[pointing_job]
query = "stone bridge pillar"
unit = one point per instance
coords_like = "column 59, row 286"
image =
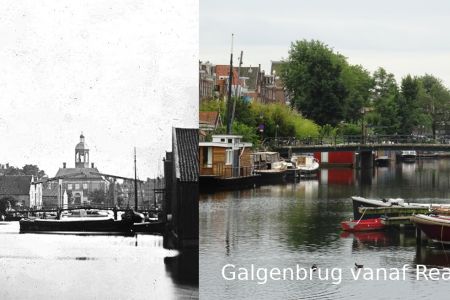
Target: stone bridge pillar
column 366, row 160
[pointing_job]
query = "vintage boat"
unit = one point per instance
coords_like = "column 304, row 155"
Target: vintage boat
column 362, row 225
column 305, row 166
column 270, row 167
column 388, row 202
column 79, row 221
column 80, row 225
column 436, row 227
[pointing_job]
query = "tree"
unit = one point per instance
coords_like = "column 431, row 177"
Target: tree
column 33, row 170
column 434, row 99
column 409, row 115
column 384, row 100
column 97, row 196
column 359, row 84
column 312, row 75
column 6, row 203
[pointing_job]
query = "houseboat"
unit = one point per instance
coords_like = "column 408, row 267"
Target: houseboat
column 382, row 161
column 226, row 163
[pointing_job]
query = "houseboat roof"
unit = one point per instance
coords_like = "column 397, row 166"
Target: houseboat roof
column 227, row 136
column 224, row 145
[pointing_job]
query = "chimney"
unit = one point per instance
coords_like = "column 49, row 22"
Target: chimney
column 64, row 165
column 92, row 165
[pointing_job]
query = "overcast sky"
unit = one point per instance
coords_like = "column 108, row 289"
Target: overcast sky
column 401, row 36
column 123, row 72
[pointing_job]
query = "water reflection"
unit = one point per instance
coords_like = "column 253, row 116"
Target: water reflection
column 93, row 267
column 285, row 225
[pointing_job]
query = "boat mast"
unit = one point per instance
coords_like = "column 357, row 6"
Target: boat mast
column 230, row 83
column 135, row 183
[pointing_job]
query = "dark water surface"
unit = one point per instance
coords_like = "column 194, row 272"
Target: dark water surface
column 298, row 225
column 54, row 266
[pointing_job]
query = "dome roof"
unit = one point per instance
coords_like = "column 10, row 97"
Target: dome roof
column 81, row 146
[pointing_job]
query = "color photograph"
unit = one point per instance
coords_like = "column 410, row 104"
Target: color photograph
column 324, row 150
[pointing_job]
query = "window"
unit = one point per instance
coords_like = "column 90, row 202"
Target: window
column 222, row 140
column 207, row 157
column 85, row 186
column 229, row 156
column 230, row 141
column 77, row 186
column 69, row 186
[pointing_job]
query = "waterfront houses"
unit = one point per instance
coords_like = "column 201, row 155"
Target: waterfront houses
column 16, row 187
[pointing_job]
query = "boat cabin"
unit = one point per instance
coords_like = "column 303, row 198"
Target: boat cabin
column 225, row 156
column 265, row 160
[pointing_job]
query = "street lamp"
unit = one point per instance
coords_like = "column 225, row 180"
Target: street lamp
column 276, row 131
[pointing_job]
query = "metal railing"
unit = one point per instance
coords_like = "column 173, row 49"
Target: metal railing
column 355, row 140
column 225, row 171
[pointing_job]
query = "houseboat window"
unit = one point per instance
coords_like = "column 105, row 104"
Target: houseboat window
column 85, row 186
column 77, row 186
column 230, row 141
column 69, row 186
column 229, row 160
column 222, row 140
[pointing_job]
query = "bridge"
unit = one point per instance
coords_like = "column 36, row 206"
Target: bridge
column 288, row 145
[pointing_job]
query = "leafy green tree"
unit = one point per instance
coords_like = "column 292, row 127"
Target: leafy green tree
column 384, row 99
column 409, row 115
column 359, row 83
column 434, row 100
column 312, row 75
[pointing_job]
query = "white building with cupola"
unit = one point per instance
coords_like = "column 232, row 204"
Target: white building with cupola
column 82, row 181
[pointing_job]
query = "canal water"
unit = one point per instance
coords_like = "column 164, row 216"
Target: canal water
column 287, row 229
column 54, row 266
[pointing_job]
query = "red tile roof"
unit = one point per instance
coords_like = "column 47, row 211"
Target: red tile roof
column 224, row 70
column 209, row 117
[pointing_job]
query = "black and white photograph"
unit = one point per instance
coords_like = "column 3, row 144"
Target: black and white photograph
column 99, row 149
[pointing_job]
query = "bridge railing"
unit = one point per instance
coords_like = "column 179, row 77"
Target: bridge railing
column 355, row 139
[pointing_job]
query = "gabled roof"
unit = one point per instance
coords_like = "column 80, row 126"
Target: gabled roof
column 15, row 184
column 252, row 77
column 85, row 173
column 50, row 189
column 185, row 151
column 209, row 117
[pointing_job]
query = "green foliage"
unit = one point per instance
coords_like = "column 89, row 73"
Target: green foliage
column 434, row 101
column 409, row 114
column 349, row 129
column 278, row 120
column 312, row 75
column 359, row 84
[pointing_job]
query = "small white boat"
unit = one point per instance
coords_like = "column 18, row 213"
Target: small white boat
column 408, row 156
column 305, row 164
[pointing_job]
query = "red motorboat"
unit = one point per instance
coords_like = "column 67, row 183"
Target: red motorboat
column 437, row 228
column 362, row 225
